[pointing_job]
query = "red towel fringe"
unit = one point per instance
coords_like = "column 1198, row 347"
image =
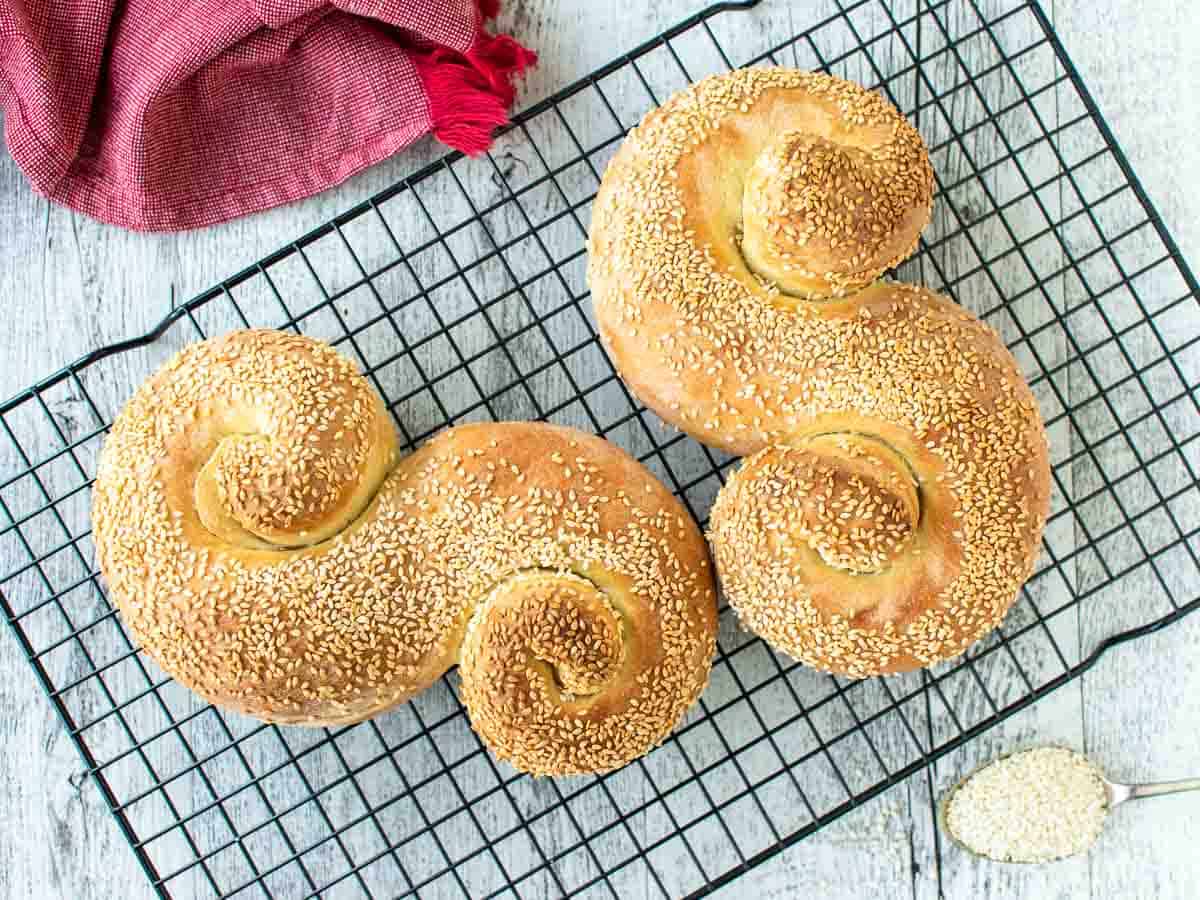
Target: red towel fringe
column 469, row 93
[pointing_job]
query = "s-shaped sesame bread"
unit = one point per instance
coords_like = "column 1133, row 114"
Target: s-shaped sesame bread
column 898, row 479
column 268, row 547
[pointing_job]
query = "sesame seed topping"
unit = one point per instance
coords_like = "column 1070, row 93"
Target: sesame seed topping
column 746, row 256
column 323, row 581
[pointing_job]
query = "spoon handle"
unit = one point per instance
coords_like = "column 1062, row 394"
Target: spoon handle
column 1136, row 791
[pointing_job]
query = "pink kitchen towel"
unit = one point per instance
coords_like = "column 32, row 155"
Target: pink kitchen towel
column 168, row 114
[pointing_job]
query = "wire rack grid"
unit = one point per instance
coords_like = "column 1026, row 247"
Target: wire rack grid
column 460, row 290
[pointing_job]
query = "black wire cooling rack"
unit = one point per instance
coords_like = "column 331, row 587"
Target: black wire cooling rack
column 460, row 290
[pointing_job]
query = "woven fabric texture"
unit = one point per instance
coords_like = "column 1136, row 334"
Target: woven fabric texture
column 171, row 114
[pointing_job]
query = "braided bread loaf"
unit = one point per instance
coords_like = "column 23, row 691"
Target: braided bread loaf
column 898, row 479
column 267, row 546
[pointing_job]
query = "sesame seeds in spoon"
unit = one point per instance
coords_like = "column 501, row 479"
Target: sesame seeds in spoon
column 1037, row 805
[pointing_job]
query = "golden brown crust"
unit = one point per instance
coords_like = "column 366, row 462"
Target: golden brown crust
column 727, row 356
column 316, row 611
column 848, row 497
column 681, row 313
column 831, row 205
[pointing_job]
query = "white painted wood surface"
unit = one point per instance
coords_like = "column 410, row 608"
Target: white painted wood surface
column 70, row 284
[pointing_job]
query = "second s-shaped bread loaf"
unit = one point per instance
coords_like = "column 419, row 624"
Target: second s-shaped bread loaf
column 266, row 544
column 897, row 479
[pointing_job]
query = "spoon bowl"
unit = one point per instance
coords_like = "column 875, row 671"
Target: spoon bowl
column 1115, row 793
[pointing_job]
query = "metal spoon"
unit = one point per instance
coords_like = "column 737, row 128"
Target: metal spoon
column 1115, row 794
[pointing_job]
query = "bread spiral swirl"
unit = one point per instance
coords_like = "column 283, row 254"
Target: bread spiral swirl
column 267, row 545
column 898, row 478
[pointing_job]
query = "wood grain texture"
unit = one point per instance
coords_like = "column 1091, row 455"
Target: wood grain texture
column 71, row 284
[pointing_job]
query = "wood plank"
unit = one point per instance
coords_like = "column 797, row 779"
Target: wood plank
column 1141, row 700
